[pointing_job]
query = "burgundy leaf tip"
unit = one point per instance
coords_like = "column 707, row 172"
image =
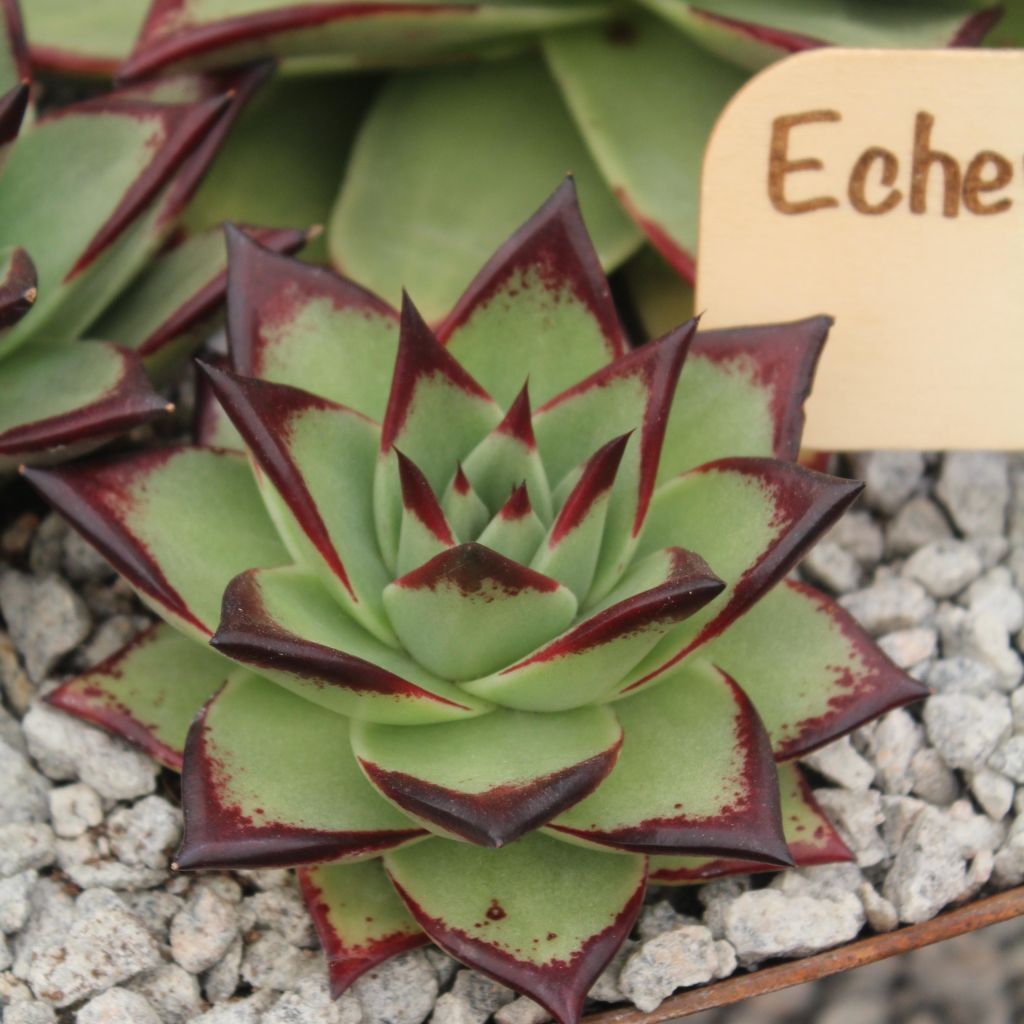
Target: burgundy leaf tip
column 596, row 480
column 461, row 483
column 518, row 505
column 19, row 288
column 420, row 500
column 518, row 421
column 470, row 568
column 12, row 110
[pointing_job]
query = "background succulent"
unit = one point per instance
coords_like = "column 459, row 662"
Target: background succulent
column 510, row 605
column 89, row 194
column 436, row 167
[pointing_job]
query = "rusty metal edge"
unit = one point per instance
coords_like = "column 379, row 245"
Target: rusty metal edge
column 971, row 917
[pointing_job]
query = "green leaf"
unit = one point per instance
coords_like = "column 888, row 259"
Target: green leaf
column 425, row 531
column 295, row 324
column 71, row 398
column 82, row 39
column 447, row 165
column 316, row 462
column 288, row 627
column 632, row 394
column 169, row 309
column 436, row 414
column 242, row 810
column 592, row 658
column 327, row 37
column 658, row 185
column 811, row 671
column 507, row 457
column 463, row 508
column 148, row 692
column 360, row 920
column 810, row 836
column 545, row 282
column 515, row 531
column 471, row 591
column 752, row 33
column 492, row 779
column 278, row 169
column 139, row 512
column 742, row 392
column 695, row 775
column 540, row 916
column 75, row 187
column 774, row 512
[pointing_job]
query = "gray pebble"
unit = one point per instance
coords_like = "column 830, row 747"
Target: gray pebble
column 30, row 1012
column 659, row 917
column 23, row 794
column 81, row 561
column 171, row 991
column 241, row 1011
column 155, row 908
column 221, row 981
column 202, row 932
column 45, row 618
column 893, row 743
column 114, row 634
column 909, row 647
column 484, row 995
column 18, row 688
column 890, row 478
column 766, row 923
column 994, row 792
column 716, row 896
column 856, row 817
column 961, row 675
column 283, row 911
column 606, row 988
column 16, row 900
column 47, row 541
column 996, row 593
column 74, row 809
column 1008, row 758
column 841, row 764
column 522, row 1011
column 859, row 534
column 675, row 959
column 117, row 1006
column 52, row 914
column 916, row 524
column 928, row 871
column 944, row 567
column 68, row 749
column 881, row 914
column 822, row 882
column 311, row 1003
column 452, row 1009
column 932, row 779
column 889, row 605
column 832, row 567
column 965, row 729
column 974, row 487
column 86, row 860
column 146, row 833
column 271, row 962
column 25, row 845
column 982, row 636
column 401, row 990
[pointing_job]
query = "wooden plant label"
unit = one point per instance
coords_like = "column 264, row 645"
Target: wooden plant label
column 885, row 188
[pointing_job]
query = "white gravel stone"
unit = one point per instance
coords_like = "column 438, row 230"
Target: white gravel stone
column 87, row 862
column 893, row 743
column 483, row 995
column 606, row 988
column 311, row 1003
column 68, row 749
column 675, row 959
column 221, row 981
column 965, row 729
column 996, row 593
column 928, row 871
column 859, row 534
column 23, row 794
column 155, row 908
column 832, row 567
column 117, row 1006
column 146, row 833
column 974, row 487
column 716, row 896
column 267, row 878
column 29, row 1013
column 976, row 833
column 659, row 917
column 242, row 1011
column 271, row 962
column 444, row 966
column 452, row 1009
column 283, row 911
column 944, row 567
column 856, row 817
column 101, row 949
column 932, row 779
column 881, row 914
column 909, row 647
column 766, row 923
column 25, row 845
column 1008, row 758
column 171, row 991
column 202, row 932
column 822, row 882
column 983, row 637
column 841, row 764
column 81, row 560
column 890, row 605
column 52, row 914
column 401, row 990
column 45, row 618
column 890, row 478
column 522, row 1011
column 1009, row 862
column 74, row 809
column 16, row 900
column 994, row 792
column 916, row 524
column 961, row 675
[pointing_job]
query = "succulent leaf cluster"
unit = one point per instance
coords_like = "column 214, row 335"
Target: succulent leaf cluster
column 622, row 95
column 482, row 624
column 89, row 192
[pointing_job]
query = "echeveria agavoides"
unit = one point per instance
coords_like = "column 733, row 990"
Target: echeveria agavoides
column 89, row 193
column 502, row 95
column 483, row 622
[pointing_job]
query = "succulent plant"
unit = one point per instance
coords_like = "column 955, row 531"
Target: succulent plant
column 493, row 623
column 89, row 193
column 622, row 95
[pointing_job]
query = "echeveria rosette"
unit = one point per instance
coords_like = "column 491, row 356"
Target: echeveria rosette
column 622, row 95
column 88, row 194
column 503, row 603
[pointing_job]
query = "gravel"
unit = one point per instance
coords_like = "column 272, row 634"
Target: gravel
column 94, row 927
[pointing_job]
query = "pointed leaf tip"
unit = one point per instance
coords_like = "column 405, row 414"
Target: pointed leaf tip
column 518, row 505
column 518, row 421
column 420, row 500
column 597, row 479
